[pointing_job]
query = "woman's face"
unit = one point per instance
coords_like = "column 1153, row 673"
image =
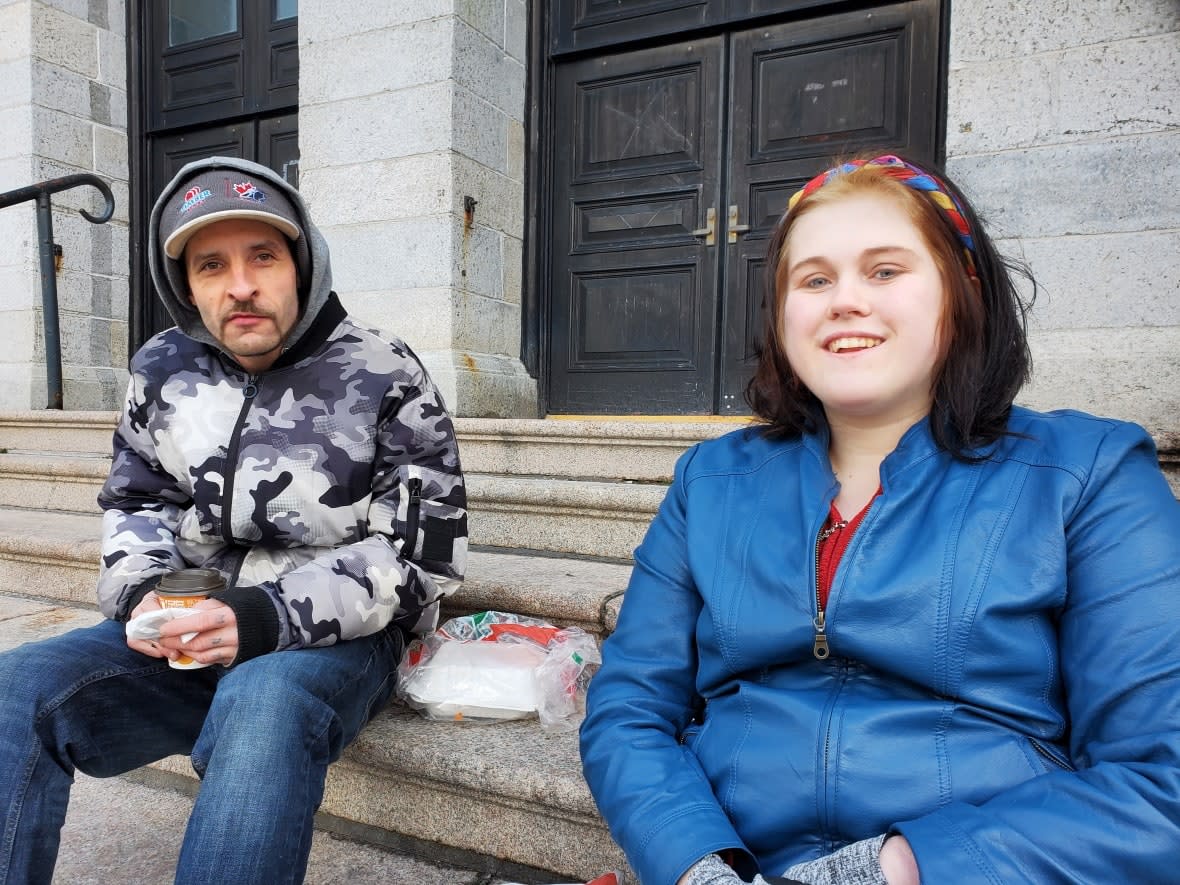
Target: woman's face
column 862, row 310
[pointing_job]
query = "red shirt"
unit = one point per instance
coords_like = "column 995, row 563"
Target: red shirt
column 832, row 544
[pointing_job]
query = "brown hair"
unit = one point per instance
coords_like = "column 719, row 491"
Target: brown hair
column 984, row 357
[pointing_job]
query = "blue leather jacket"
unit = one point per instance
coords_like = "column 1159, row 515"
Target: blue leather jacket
column 1003, row 686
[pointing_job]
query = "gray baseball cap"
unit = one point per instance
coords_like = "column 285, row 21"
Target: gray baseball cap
column 213, row 195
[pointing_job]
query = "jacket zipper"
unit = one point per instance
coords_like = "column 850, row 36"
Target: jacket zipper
column 412, row 508
column 231, row 460
column 819, row 647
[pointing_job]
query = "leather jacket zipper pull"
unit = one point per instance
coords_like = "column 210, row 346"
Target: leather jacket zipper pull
column 820, row 647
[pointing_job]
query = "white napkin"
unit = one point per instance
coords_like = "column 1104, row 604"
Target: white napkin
column 147, row 625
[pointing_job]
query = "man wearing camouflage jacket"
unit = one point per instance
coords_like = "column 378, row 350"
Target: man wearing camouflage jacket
column 307, row 460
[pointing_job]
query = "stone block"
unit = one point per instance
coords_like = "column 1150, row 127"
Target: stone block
column 500, row 199
column 66, row 40
column 117, row 103
column 481, row 65
column 485, row 16
column 403, row 187
column 1120, row 88
column 478, row 385
column 21, row 288
column 16, row 26
column 1132, row 374
column 18, row 233
column 110, row 152
column 517, row 142
column 412, row 121
column 516, row 30
column 420, row 317
column 98, row 13
column 76, row 8
column 17, row 80
column 1068, row 189
column 480, row 130
column 119, row 356
column 17, row 125
column 392, row 255
column 100, row 297
column 63, row 138
column 512, row 262
column 117, row 16
column 59, row 89
column 75, row 292
column 326, row 20
column 376, row 61
column 112, row 59
column 120, row 249
column 1000, row 105
column 22, row 386
column 486, row 325
column 1116, row 280
column 17, row 340
column 992, row 29
column 477, row 260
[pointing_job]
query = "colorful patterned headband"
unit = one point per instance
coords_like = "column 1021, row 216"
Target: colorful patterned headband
column 911, row 176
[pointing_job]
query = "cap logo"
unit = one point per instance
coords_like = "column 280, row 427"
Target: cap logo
column 247, row 191
column 194, row 196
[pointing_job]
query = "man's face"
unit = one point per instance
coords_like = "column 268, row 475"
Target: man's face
column 241, row 276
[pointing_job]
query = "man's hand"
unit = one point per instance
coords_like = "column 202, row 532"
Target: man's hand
column 149, row 647
column 216, row 627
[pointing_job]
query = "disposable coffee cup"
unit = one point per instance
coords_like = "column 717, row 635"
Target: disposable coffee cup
column 184, row 589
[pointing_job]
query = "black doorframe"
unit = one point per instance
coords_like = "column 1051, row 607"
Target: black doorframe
column 139, row 202
column 538, row 188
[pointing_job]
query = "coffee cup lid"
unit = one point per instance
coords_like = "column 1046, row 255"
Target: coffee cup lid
column 191, row 580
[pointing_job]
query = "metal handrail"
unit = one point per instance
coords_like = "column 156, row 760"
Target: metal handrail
column 48, row 250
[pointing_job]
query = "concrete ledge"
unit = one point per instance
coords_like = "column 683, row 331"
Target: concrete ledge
column 566, row 516
column 58, row 431
column 67, row 482
column 642, row 451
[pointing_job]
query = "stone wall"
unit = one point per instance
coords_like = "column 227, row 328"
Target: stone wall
column 406, row 109
column 1064, row 127
column 63, row 109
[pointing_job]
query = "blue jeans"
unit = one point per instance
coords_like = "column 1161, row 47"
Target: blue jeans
column 260, row 735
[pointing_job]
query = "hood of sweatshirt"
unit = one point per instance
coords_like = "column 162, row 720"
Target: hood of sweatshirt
column 310, row 252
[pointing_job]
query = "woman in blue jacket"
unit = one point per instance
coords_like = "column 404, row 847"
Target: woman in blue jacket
column 902, row 630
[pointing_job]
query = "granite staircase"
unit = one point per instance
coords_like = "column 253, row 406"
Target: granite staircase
column 556, row 507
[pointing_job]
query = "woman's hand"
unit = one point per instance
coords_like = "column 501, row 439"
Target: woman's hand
column 898, row 863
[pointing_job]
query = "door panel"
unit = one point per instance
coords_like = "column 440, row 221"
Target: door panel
column 634, row 312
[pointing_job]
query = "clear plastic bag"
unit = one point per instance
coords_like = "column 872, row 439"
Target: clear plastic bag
column 494, row 666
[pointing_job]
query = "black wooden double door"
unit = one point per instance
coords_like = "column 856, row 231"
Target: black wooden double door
column 671, row 166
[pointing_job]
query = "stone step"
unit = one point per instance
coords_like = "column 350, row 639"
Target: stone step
column 51, row 430
column 508, row 790
column 54, row 556
column 608, row 450
column 543, row 513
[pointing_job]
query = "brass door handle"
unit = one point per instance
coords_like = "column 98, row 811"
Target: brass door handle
column 709, row 231
column 733, row 227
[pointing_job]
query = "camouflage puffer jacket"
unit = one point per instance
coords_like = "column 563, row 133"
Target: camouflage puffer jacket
column 303, row 484
column 327, row 490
